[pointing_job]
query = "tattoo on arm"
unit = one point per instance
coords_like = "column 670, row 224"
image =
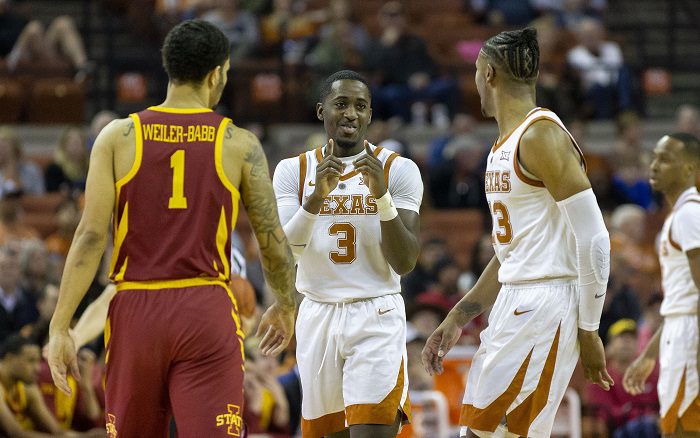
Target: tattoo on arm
column 229, row 132
column 470, row 309
column 129, row 128
column 259, row 200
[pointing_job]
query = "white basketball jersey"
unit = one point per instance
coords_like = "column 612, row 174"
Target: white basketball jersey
column 680, row 233
column 344, row 259
column 531, row 237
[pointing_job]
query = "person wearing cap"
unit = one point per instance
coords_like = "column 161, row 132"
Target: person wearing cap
column 674, row 172
column 616, row 411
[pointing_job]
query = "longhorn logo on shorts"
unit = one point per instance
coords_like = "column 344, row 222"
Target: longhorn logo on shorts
column 233, row 420
column 111, row 426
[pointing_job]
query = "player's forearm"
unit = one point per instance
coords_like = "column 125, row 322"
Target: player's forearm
column 91, row 406
column 81, row 265
column 92, row 322
column 399, row 246
column 278, row 266
column 480, row 297
column 651, row 351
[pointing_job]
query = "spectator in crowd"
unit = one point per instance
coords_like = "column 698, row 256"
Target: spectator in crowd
column 23, row 412
column 556, row 86
column 36, row 267
column 83, row 409
column 621, row 299
column 629, row 240
column 291, row 384
column 445, row 292
column 290, row 27
column 387, row 134
column 22, row 40
column 630, row 181
column 458, row 182
column 13, row 230
column 688, row 119
column 67, row 219
column 69, row 167
column 16, row 173
column 99, row 121
column 463, row 125
column 423, row 275
column 606, row 83
column 504, row 12
column 266, row 407
column 17, row 308
column 404, row 74
column 624, row 415
column 341, row 42
column 239, row 26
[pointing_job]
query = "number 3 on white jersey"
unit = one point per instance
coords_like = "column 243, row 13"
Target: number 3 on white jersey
column 504, row 233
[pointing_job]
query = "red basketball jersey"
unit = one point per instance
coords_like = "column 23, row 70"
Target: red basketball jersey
column 175, row 209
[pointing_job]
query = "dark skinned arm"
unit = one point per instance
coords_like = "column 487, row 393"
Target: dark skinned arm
column 400, row 234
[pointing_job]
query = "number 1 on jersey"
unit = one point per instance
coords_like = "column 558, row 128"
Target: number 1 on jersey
column 177, row 163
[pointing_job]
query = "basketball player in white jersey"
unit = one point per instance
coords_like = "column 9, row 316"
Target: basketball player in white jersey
column 548, row 279
column 673, row 170
column 350, row 210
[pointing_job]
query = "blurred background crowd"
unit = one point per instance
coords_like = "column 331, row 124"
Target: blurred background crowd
column 620, row 74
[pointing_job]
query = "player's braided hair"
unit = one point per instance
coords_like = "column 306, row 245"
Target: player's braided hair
column 517, row 52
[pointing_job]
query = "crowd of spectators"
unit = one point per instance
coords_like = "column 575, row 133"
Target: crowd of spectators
column 583, row 76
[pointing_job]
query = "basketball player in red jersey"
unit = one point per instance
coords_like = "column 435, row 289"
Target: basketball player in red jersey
column 172, row 176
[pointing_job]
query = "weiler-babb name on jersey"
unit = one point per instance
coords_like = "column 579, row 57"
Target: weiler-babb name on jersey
column 355, row 204
column 497, row 181
column 177, row 133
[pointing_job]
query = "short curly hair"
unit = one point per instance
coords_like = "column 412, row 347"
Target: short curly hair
column 192, row 49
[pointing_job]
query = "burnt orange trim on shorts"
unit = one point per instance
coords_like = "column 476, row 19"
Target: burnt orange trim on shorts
column 520, row 418
column 690, row 419
column 387, row 166
column 383, row 412
column 498, row 143
column 488, row 418
column 302, row 176
column 321, row 426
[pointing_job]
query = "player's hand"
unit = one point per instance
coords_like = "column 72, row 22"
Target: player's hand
column 439, row 343
column 328, row 172
column 593, row 359
column 276, row 329
column 62, row 357
column 636, row 374
column 372, row 172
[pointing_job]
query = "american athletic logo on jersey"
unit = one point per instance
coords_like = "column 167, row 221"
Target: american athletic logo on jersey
column 505, row 155
column 110, row 426
column 232, row 419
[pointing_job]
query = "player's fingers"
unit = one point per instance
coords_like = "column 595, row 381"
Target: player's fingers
column 367, row 148
column 74, row 369
column 58, row 374
column 331, row 146
column 428, row 354
column 607, row 377
column 267, row 338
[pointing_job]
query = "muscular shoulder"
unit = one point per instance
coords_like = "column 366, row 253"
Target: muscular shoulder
column 545, row 137
column 240, row 142
column 119, row 129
